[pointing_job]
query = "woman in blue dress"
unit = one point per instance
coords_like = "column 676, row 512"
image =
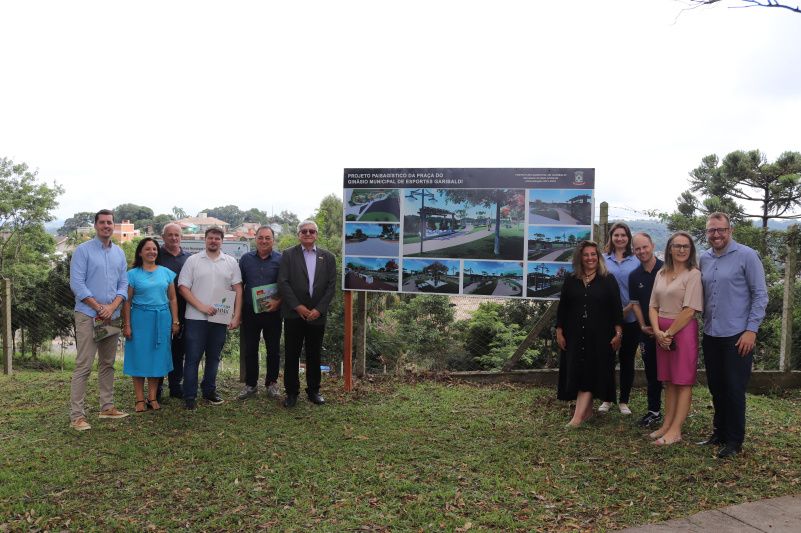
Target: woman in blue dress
column 150, row 316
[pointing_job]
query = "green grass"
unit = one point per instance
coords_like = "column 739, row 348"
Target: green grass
column 511, row 247
column 486, row 288
column 391, row 456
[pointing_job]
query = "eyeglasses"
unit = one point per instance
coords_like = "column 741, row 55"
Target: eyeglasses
column 720, row 231
column 680, row 246
column 308, row 231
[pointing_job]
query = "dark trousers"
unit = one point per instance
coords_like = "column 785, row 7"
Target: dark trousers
column 202, row 337
column 727, row 375
column 628, row 347
column 254, row 327
column 648, row 351
column 176, row 375
column 297, row 333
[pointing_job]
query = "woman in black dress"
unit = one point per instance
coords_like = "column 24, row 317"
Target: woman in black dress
column 589, row 325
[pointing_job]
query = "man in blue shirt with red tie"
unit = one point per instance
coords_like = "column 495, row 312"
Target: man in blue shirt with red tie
column 735, row 298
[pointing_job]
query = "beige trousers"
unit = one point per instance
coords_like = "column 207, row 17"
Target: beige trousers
column 106, row 351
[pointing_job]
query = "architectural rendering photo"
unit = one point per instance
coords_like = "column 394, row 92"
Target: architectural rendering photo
column 431, row 275
column 544, row 280
column 569, row 207
column 372, row 239
column 555, row 243
column 371, row 273
column 372, row 205
column 493, row 278
column 464, row 223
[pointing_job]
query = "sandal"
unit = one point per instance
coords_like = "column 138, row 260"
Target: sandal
column 136, row 406
column 154, row 404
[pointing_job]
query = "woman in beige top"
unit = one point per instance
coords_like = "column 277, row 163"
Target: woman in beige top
column 676, row 298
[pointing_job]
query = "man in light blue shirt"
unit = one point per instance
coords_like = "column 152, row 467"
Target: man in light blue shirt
column 99, row 280
column 735, row 298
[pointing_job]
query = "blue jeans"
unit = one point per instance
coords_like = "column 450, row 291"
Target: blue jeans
column 202, row 337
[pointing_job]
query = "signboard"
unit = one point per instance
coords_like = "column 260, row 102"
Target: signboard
column 506, row 232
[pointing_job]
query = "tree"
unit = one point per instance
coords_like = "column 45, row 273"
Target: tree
column 24, row 204
column 254, row 215
column 178, row 213
column 77, row 220
column 739, row 177
column 227, row 213
column 136, row 214
column 497, row 198
column 749, row 3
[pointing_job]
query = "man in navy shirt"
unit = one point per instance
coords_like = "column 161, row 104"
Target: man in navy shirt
column 641, row 283
column 735, row 298
column 259, row 276
column 172, row 256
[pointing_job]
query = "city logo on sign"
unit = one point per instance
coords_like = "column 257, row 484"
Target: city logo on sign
column 578, row 178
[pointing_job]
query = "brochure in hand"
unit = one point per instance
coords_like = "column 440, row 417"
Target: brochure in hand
column 223, row 302
column 262, row 296
column 107, row 328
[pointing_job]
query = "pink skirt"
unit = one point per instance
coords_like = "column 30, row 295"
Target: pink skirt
column 678, row 366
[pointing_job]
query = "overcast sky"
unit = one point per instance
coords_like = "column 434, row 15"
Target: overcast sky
column 262, row 104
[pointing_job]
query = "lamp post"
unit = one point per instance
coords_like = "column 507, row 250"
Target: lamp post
column 423, row 194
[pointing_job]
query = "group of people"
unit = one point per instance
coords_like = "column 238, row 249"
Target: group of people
column 625, row 297
column 163, row 305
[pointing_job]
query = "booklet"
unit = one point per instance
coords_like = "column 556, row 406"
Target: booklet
column 262, row 296
column 106, row 328
column 223, row 301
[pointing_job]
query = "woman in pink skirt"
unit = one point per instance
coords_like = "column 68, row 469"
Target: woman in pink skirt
column 676, row 298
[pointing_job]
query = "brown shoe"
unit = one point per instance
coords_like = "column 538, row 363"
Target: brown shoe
column 112, row 412
column 80, row 424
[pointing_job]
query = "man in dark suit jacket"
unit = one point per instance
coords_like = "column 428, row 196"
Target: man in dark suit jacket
column 306, row 282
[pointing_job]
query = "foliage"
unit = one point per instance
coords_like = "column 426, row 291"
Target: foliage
column 138, row 215
column 24, row 204
column 739, row 177
column 78, row 220
column 392, row 456
column 228, row 213
column 493, row 333
column 750, row 3
column 499, row 199
column 422, row 326
column 156, row 224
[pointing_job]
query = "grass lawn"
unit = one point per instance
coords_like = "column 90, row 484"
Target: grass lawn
column 511, row 247
column 393, row 455
column 546, row 212
column 486, row 288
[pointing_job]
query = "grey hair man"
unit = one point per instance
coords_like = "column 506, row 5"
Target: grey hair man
column 306, row 282
column 172, row 256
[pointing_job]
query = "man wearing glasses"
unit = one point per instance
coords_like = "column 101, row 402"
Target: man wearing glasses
column 735, row 297
column 306, row 283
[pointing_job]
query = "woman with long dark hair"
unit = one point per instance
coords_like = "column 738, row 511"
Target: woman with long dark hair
column 677, row 297
column 621, row 262
column 150, row 315
column 588, row 330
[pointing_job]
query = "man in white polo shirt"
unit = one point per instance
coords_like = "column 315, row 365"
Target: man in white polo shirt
column 204, row 274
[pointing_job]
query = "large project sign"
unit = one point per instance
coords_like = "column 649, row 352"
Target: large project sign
column 507, row 232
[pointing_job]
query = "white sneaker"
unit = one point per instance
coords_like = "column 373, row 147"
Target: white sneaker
column 273, row 391
column 624, row 409
column 246, row 393
column 604, row 407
